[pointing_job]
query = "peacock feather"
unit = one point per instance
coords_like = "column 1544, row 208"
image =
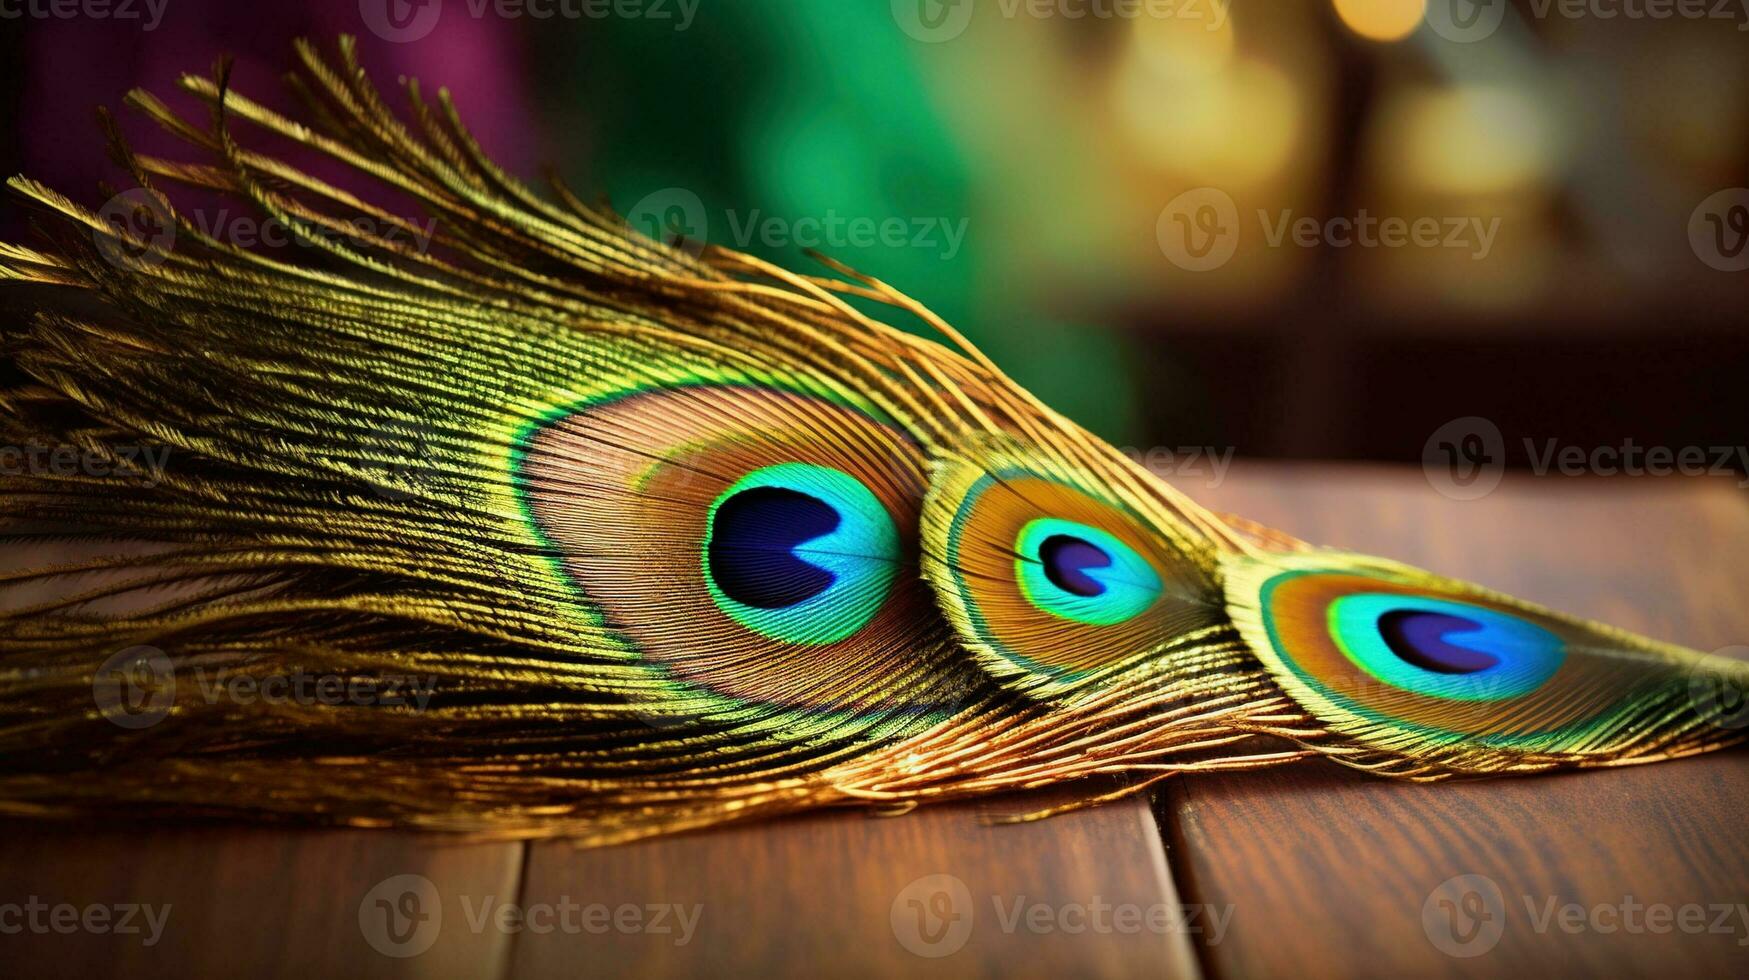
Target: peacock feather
column 671, row 536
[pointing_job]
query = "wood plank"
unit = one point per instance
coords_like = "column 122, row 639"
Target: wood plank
column 1337, row 874
column 253, row 901
column 848, row 894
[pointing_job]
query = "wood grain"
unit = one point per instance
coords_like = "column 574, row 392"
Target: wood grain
column 852, row 895
column 1331, row 873
column 252, row 901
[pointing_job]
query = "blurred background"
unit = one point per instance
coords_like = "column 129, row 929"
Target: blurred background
column 1285, row 228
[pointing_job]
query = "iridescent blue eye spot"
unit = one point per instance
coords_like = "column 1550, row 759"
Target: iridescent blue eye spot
column 1067, row 558
column 1082, row 573
column 800, row 553
column 1419, row 638
column 753, row 541
column 1442, row 648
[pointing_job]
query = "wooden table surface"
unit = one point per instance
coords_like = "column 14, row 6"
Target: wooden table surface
column 1304, row 871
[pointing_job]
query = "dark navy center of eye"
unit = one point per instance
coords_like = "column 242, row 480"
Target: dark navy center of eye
column 754, row 535
column 1066, row 560
column 1419, row 638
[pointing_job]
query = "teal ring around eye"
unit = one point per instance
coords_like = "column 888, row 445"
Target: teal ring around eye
column 1526, row 654
column 861, row 554
column 1128, row 584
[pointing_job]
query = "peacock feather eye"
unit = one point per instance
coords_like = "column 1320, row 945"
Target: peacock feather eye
column 747, row 541
column 1443, row 648
column 1392, row 654
column 800, row 553
column 1053, row 584
column 1082, row 573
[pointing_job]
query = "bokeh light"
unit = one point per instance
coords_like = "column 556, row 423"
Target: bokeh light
column 1470, row 140
column 1382, row 20
column 1238, row 126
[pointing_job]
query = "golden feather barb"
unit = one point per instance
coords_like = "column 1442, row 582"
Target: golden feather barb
column 511, row 521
